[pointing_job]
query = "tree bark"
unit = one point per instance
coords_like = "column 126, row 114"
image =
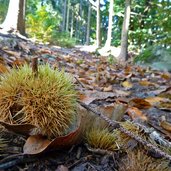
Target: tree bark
column 110, row 23
column 15, row 18
column 88, row 24
column 68, row 13
column 98, row 41
column 72, row 22
column 123, row 56
column 64, row 15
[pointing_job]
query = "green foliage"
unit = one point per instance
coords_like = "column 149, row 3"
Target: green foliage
column 145, row 56
column 43, row 25
column 3, row 9
column 156, row 57
column 111, row 60
column 63, row 39
column 154, row 53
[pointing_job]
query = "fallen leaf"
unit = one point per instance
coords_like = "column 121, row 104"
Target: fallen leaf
column 36, row 144
column 62, row 168
column 166, row 134
column 108, row 89
column 24, row 129
column 164, row 105
column 83, row 80
column 127, row 84
column 13, row 53
column 165, row 125
column 121, row 93
column 139, row 103
column 135, row 113
column 154, row 100
column 166, row 76
column 147, row 83
column 3, row 68
column 86, row 99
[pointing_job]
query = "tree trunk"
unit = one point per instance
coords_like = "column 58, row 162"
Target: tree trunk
column 68, row 13
column 64, row 15
column 98, row 41
column 72, row 22
column 15, row 18
column 88, row 24
column 110, row 23
column 123, row 56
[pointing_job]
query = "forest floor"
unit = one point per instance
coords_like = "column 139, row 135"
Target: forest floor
column 120, row 91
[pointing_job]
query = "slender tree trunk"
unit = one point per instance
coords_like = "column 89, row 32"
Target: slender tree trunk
column 98, row 41
column 72, row 22
column 80, row 32
column 21, row 17
column 88, row 24
column 15, row 18
column 68, row 13
column 64, row 15
column 123, row 56
column 110, row 23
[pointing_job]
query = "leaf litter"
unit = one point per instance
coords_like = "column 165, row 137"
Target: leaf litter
column 120, row 92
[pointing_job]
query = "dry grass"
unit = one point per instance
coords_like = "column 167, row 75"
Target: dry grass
column 137, row 160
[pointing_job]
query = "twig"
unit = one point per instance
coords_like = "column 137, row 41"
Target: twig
column 13, row 160
column 79, row 82
column 34, row 65
column 129, row 133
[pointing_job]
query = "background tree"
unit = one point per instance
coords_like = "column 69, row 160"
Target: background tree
column 149, row 23
column 15, row 18
column 123, row 56
column 88, row 24
column 64, row 15
column 98, row 38
column 110, row 23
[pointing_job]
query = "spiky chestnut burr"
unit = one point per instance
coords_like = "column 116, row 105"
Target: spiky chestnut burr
column 47, row 101
column 101, row 139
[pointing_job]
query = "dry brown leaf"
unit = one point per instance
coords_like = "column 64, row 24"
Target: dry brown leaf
column 147, row 83
column 83, row 80
column 86, row 99
column 154, row 100
column 166, row 134
column 13, row 53
column 166, row 76
column 135, row 113
column 45, row 51
column 118, row 111
column 164, row 105
column 36, row 144
column 121, row 93
column 3, row 68
column 62, row 168
column 166, row 125
column 19, row 62
column 139, row 103
column 18, row 128
column 127, row 84
column 108, row 89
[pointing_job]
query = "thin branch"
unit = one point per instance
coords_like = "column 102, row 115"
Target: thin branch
column 129, row 133
column 34, row 66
